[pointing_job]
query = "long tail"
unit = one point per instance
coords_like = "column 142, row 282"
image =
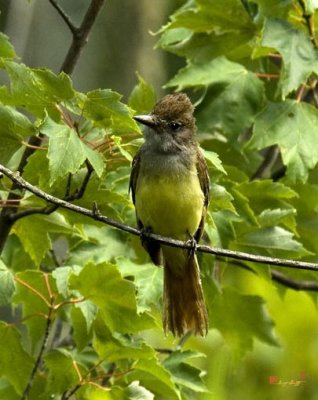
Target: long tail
column 184, row 306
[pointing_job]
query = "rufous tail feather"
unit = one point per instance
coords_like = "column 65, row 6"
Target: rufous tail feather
column 184, row 306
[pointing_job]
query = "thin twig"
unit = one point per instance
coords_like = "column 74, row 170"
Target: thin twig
column 280, row 277
column 293, row 283
column 270, row 158
column 65, row 17
column 267, row 76
column 77, row 195
column 95, row 214
column 69, row 393
column 41, row 352
column 32, row 289
column 80, row 36
column 300, row 93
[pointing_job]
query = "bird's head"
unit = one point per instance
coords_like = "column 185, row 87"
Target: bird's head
column 171, row 124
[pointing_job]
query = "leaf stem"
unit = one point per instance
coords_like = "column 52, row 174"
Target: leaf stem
column 25, row 284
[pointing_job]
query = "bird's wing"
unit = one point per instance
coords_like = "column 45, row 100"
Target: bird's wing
column 202, row 171
column 134, row 174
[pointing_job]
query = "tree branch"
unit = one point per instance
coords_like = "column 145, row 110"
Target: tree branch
column 5, row 216
column 280, row 277
column 80, row 36
column 95, row 214
column 41, row 352
column 270, row 158
column 78, row 194
column 293, row 283
column 65, row 17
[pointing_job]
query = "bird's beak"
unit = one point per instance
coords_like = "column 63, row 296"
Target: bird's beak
column 147, row 120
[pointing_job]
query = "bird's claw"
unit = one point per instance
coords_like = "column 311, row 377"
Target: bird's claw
column 144, row 234
column 193, row 245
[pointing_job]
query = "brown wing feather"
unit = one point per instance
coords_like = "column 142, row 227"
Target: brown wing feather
column 204, row 179
column 134, row 175
column 152, row 247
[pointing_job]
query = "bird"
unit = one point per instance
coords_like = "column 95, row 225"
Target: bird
column 170, row 189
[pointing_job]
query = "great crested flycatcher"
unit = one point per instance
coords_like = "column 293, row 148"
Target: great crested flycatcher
column 170, row 189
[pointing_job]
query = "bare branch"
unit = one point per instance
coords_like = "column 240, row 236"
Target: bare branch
column 41, row 352
column 280, row 262
column 293, row 283
column 65, row 17
column 78, row 194
column 280, row 277
column 80, row 36
column 270, row 158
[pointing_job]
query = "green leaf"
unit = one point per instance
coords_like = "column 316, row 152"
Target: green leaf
column 102, row 244
column 39, row 90
column 275, row 241
column 231, row 107
column 114, row 346
column 62, row 373
column 278, row 216
column 222, row 199
column 148, row 280
column 184, row 374
column 214, row 160
column 96, row 159
column 136, row 392
column 203, row 47
column 65, row 154
column 273, row 8
column 118, row 140
column 15, row 363
column 36, row 241
column 14, row 127
column 103, row 107
column 156, row 378
column 266, row 192
column 7, row 285
column 32, row 301
column 61, row 276
column 294, row 127
column 299, row 55
column 307, row 217
column 115, row 297
column 216, row 71
column 6, row 48
column 82, row 334
column 245, row 320
column 142, row 98
column 131, row 392
column 210, row 15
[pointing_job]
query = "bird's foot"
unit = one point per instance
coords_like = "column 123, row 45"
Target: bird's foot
column 144, row 234
column 193, row 246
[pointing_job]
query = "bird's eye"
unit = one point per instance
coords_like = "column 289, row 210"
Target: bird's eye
column 174, row 125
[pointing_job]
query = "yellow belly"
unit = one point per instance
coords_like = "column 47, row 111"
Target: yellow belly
column 172, row 206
